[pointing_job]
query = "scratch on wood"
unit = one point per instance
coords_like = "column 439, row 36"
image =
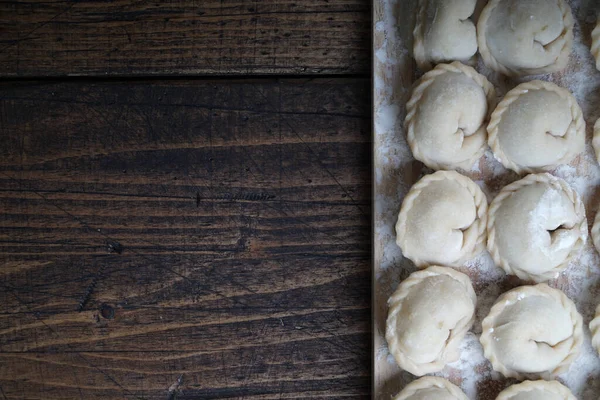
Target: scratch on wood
column 89, row 290
column 174, row 388
column 248, row 196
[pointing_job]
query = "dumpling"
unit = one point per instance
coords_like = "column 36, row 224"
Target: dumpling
column 596, row 44
column 442, row 220
column 537, row 126
column 431, row 388
column 535, row 227
column 536, row 390
column 525, row 37
column 429, row 314
column 444, row 32
column 447, row 116
column 595, row 329
column 532, row 331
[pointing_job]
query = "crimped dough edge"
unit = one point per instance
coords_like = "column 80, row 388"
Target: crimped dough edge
column 596, row 139
column 527, row 386
column 506, row 192
column 474, row 246
column 413, row 105
column 450, row 352
column 540, row 289
column 513, row 95
column 490, row 60
column 428, row 382
column 595, row 330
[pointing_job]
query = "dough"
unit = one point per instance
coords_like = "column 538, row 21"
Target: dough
column 525, row 37
column 446, row 116
column 431, row 388
column 536, row 390
column 535, row 227
column 442, row 220
column 429, row 314
column 532, row 331
column 444, row 32
column 596, row 140
column 536, row 127
column 596, row 44
column 595, row 329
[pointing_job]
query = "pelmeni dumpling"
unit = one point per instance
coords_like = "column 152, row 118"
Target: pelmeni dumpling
column 442, row 220
column 447, row 115
column 535, row 227
column 444, row 32
column 525, row 37
column 532, row 331
column 431, row 388
column 536, row 390
column 429, row 314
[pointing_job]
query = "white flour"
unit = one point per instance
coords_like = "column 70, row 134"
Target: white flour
column 396, row 171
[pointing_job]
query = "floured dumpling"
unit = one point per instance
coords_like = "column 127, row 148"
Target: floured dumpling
column 596, row 44
column 525, row 37
column 429, row 314
column 595, row 329
column 442, row 220
column 444, row 32
column 537, row 126
column 535, row 227
column 431, row 388
column 447, row 116
column 532, row 331
column 536, row 390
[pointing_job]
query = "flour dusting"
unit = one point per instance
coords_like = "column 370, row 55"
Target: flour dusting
column 396, row 170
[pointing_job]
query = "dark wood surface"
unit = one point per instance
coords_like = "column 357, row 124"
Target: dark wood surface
column 183, row 37
column 188, row 239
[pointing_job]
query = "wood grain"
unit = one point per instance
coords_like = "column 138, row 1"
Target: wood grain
column 124, row 38
column 188, row 239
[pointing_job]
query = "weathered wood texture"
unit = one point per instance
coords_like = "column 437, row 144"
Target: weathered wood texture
column 155, row 37
column 218, row 231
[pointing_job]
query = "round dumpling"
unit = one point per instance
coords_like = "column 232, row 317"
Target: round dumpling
column 442, row 220
column 532, row 331
column 536, row 127
column 447, row 116
column 444, row 32
column 525, row 37
column 536, row 390
column 535, row 227
column 431, row 388
column 429, row 314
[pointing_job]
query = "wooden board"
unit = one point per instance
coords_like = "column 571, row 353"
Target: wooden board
column 124, row 38
column 205, row 239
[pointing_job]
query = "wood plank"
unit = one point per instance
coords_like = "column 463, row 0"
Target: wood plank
column 213, row 230
column 182, row 37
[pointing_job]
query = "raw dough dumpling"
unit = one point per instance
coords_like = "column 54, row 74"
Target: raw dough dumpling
column 431, row 388
column 430, row 313
column 596, row 44
column 535, row 227
column 525, row 37
column 536, row 390
column 595, row 329
column 536, row 127
column 446, row 116
column 444, row 32
column 442, row 220
column 532, row 331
